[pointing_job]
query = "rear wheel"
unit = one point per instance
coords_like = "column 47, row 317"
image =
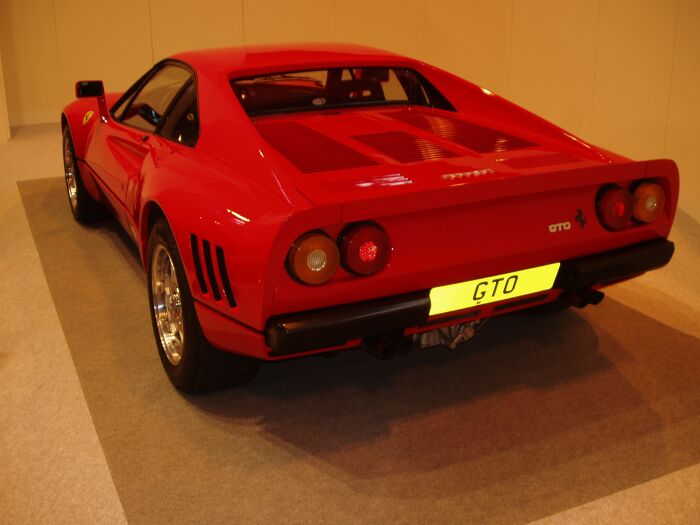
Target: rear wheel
column 192, row 364
column 83, row 206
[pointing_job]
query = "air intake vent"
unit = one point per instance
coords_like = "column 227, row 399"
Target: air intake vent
column 221, row 260
column 309, row 150
column 210, row 270
column 537, row 161
column 403, row 147
column 194, row 243
column 211, row 279
column 473, row 136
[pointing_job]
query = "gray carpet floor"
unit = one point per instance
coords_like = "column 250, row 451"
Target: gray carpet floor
column 537, row 415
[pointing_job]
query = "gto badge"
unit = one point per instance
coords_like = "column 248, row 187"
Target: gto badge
column 559, row 227
column 87, row 117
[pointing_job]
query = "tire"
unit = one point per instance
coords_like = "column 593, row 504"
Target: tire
column 192, row 364
column 84, row 207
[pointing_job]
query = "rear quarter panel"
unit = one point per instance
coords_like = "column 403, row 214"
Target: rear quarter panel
column 207, row 198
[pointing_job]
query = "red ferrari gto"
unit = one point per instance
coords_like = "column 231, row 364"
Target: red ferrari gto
column 288, row 201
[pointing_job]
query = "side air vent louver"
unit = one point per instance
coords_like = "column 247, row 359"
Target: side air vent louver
column 210, row 270
column 194, row 243
column 475, row 137
column 221, row 260
column 403, row 147
column 210, row 280
column 309, row 150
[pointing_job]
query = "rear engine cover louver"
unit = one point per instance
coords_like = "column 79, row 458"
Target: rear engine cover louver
column 473, row 136
column 211, row 279
column 309, row 150
column 403, row 147
column 537, row 161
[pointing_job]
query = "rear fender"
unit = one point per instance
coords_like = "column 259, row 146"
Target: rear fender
column 233, row 225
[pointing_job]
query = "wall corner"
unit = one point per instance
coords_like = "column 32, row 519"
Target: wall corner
column 4, row 115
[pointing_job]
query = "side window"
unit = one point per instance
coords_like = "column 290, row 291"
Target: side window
column 146, row 109
column 182, row 122
column 118, row 108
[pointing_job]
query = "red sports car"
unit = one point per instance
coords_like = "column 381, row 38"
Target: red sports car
column 289, row 201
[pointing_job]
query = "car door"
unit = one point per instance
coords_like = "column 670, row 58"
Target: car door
column 121, row 147
column 177, row 134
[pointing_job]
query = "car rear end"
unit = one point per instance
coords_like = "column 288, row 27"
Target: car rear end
column 486, row 248
column 436, row 218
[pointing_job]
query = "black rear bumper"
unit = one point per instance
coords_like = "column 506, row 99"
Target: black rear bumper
column 615, row 265
column 302, row 332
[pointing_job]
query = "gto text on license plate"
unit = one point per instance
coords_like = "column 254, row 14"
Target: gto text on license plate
column 491, row 289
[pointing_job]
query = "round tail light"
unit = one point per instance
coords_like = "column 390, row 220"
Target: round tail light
column 365, row 249
column 615, row 208
column 313, row 258
column 649, row 199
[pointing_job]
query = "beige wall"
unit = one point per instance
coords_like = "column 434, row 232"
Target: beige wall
column 624, row 74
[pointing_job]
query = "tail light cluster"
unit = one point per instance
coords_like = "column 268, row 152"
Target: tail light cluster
column 362, row 249
column 313, row 258
column 619, row 207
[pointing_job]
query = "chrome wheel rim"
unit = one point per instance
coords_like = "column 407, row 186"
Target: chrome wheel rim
column 69, row 170
column 167, row 304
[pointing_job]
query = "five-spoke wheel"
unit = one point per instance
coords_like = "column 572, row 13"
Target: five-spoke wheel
column 191, row 362
column 167, row 304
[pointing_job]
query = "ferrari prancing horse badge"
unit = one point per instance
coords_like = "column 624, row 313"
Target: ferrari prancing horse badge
column 87, row 117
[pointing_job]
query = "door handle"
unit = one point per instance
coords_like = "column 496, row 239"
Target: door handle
column 144, row 138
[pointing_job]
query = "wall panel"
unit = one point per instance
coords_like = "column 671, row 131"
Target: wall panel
column 633, row 75
column 395, row 25
column 275, row 21
column 181, row 25
column 555, row 80
column 471, row 39
column 683, row 133
column 108, row 40
column 30, row 60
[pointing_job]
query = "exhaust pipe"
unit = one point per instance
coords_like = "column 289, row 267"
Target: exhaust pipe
column 582, row 298
column 385, row 346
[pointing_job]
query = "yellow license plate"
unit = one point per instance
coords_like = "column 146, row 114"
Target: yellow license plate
column 491, row 289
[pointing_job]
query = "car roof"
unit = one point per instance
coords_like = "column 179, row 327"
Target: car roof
column 283, row 56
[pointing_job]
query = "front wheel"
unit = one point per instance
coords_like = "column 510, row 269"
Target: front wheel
column 82, row 205
column 191, row 363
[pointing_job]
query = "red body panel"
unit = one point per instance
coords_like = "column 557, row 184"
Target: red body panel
column 454, row 211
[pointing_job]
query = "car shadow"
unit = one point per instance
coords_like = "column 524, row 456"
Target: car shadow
column 324, row 406
column 549, row 397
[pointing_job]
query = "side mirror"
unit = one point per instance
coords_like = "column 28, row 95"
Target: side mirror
column 93, row 89
column 89, row 88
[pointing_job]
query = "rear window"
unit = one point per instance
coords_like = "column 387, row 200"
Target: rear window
column 335, row 88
